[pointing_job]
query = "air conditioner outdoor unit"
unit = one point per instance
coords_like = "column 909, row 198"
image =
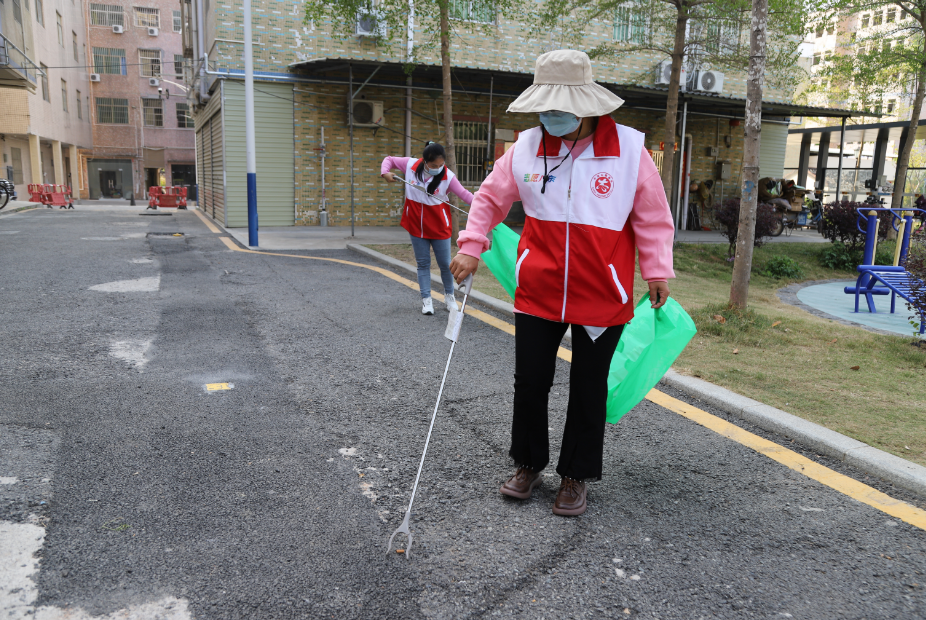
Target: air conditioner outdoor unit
column 664, row 73
column 708, row 81
column 154, row 82
column 118, row 29
column 152, row 32
column 368, row 113
column 369, row 25
column 94, row 77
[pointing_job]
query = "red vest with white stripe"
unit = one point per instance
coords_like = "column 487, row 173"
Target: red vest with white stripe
column 577, row 254
column 423, row 215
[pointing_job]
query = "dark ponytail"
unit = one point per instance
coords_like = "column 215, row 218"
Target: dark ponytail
column 431, row 152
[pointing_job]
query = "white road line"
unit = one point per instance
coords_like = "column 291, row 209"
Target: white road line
column 132, row 351
column 141, row 285
column 19, row 566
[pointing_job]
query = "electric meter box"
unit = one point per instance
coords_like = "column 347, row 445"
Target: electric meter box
column 724, row 170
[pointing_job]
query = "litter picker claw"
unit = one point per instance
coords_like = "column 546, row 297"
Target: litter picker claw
column 452, row 333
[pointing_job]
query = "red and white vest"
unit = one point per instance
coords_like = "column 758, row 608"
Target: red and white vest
column 423, row 215
column 576, row 256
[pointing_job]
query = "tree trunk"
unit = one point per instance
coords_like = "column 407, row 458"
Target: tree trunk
column 745, row 236
column 451, row 159
column 668, row 138
column 903, row 161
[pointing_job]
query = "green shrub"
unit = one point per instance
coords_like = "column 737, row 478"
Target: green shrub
column 840, row 257
column 783, row 267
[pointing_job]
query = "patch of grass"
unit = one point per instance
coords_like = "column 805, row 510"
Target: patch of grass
column 786, row 357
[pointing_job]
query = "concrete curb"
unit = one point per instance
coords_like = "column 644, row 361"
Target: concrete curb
column 897, row 471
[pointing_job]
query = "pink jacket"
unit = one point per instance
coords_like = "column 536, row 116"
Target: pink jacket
column 650, row 217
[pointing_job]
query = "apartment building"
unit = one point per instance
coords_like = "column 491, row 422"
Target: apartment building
column 306, row 77
column 44, row 92
column 840, row 161
column 142, row 128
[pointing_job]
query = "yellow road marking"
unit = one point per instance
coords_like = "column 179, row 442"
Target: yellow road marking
column 206, row 221
column 212, row 387
column 813, row 470
column 799, row 463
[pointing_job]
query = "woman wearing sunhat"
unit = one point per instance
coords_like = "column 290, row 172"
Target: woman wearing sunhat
column 426, row 218
column 593, row 199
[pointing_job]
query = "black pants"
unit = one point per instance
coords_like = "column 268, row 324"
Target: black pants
column 536, row 344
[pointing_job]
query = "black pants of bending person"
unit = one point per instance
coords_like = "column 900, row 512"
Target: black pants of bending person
column 536, row 344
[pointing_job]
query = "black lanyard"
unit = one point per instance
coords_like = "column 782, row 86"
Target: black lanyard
column 546, row 175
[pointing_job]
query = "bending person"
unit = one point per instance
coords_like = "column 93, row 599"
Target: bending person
column 593, row 198
column 426, row 219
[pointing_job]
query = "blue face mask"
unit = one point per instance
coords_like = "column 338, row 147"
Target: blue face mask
column 559, row 123
column 433, row 173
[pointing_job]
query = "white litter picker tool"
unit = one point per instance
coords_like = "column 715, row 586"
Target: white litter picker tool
column 424, row 191
column 452, row 333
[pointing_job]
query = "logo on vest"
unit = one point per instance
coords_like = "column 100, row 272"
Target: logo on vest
column 602, row 185
column 537, row 178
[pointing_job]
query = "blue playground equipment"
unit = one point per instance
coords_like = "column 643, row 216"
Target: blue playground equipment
column 893, row 279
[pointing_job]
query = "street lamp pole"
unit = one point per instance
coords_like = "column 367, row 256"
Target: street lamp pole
column 250, row 148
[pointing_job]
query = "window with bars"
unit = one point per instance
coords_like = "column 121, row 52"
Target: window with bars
column 630, row 25
column 470, row 141
column 64, row 95
column 39, row 11
column 480, row 11
column 112, row 111
column 74, row 42
column 150, row 62
column 722, row 35
column 60, row 29
column 80, row 111
column 106, row 15
column 147, row 18
column 109, row 60
column 178, row 65
column 153, row 112
column 177, row 23
column 46, row 94
column 184, row 120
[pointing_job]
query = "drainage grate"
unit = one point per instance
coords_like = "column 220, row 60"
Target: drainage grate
column 162, row 214
column 165, row 234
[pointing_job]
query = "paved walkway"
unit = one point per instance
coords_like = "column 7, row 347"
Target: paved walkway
column 831, row 298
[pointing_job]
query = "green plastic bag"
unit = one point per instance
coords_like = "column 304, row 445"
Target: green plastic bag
column 651, row 342
column 503, row 256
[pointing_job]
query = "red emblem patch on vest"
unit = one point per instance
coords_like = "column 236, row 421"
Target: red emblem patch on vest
column 602, row 185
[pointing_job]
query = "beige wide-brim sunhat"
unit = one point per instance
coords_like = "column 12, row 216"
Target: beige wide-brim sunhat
column 563, row 81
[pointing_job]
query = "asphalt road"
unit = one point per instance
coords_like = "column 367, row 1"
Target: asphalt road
column 135, row 490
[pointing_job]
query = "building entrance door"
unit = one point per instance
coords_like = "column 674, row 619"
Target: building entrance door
column 152, row 178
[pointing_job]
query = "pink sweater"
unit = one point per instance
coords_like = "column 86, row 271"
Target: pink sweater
column 401, row 163
column 650, row 217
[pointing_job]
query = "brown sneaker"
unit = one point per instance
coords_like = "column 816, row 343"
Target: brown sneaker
column 522, row 483
column 570, row 501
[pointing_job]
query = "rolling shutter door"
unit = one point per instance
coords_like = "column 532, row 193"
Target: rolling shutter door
column 205, row 172
column 218, row 170
column 772, row 150
column 273, row 105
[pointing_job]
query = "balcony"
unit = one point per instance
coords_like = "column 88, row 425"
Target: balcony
column 16, row 69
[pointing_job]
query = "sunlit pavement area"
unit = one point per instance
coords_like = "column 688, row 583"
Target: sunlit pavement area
column 191, row 431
